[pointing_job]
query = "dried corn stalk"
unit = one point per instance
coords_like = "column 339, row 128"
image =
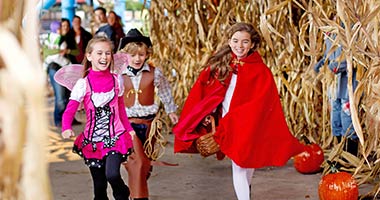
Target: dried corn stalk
column 186, row 32
column 23, row 122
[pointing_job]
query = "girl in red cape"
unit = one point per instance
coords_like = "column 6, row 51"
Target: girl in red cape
column 251, row 129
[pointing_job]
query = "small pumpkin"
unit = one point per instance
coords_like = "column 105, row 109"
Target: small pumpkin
column 338, row 186
column 309, row 161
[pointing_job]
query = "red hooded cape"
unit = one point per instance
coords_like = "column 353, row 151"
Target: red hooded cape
column 254, row 132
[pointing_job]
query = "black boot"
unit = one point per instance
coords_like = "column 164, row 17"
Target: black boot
column 339, row 138
column 352, row 146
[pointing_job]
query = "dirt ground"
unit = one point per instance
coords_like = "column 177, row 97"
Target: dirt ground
column 194, row 178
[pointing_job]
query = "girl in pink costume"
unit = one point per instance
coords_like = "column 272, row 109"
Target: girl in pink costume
column 107, row 138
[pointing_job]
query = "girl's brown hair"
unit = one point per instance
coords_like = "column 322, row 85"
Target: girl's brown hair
column 90, row 47
column 220, row 62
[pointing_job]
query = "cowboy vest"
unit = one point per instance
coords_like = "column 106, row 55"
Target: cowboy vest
column 144, row 94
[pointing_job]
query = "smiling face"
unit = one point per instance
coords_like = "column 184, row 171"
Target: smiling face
column 65, row 27
column 77, row 23
column 111, row 18
column 101, row 56
column 100, row 16
column 138, row 53
column 137, row 59
column 240, row 43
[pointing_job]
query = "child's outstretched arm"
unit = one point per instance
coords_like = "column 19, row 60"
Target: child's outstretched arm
column 165, row 94
column 47, row 52
column 68, row 117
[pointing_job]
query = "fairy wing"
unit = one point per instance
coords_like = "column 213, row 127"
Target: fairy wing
column 120, row 62
column 68, row 75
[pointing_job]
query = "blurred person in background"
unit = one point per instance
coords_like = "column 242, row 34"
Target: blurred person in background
column 102, row 28
column 341, row 121
column 68, row 35
column 61, row 94
column 82, row 37
column 115, row 21
column 54, row 48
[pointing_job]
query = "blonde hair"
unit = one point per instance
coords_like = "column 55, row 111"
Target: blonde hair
column 90, row 47
column 135, row 47
column 220, row 62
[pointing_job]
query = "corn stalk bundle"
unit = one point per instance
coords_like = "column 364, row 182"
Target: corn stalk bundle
column 185, row 33
column 357, row 32
column 23, row 123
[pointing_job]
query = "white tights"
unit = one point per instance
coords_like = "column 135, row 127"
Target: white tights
column 242, row 178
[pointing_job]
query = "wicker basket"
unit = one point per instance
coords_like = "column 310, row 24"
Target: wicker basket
column 206, row 144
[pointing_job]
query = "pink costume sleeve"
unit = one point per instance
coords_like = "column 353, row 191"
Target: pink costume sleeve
column 69, row 114
column 123, row 115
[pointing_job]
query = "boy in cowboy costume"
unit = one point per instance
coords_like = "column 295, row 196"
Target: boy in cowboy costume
column 142, row 82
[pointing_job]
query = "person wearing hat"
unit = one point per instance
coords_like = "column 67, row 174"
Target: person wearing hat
column 134, row 35
column 142, row 82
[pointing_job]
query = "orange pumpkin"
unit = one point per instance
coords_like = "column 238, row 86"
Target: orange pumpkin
column 338, row 186
column 309, row 161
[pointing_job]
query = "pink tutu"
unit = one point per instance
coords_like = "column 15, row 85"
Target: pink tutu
column 95, row 152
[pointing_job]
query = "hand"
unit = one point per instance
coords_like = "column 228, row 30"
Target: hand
column 173, row 117
column 207, row 120
column 67, row 134
column 62, row 52
column 133, row 134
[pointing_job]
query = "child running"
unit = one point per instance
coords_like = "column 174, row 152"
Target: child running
column 142, row 82
column 238, row 88
column 107, row 138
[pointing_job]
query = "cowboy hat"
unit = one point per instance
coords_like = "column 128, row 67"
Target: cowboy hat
column 134, row 35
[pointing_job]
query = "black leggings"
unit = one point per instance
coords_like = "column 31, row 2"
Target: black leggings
column 110, row 173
